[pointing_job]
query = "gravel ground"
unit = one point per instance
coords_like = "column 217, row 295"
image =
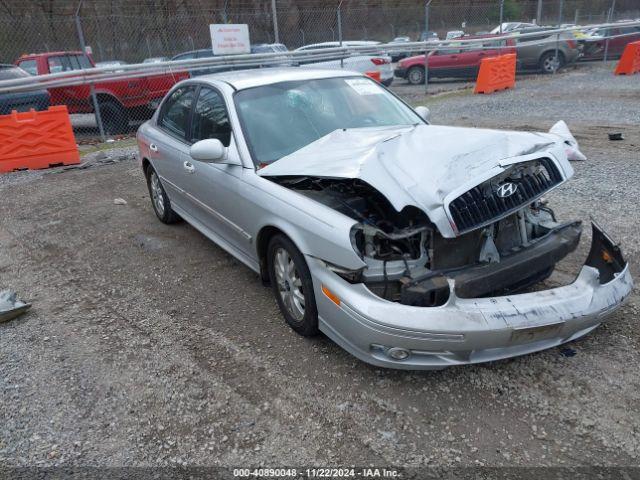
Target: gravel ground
column 148, row 345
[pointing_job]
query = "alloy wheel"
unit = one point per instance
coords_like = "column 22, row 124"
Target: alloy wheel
column 289, row 284
column 157, row 195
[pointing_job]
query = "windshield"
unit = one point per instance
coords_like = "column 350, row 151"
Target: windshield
column 11, row 73
column 282, row 118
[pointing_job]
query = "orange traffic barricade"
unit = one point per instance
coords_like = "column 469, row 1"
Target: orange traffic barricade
column 35, row 140
column 630, row 61
column 496, row 73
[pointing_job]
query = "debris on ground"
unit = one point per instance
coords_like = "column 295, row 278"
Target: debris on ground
column 10, row 306
column 616, row 136
column 119, row 201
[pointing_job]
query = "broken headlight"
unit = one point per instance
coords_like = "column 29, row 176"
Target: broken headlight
column 351, row 276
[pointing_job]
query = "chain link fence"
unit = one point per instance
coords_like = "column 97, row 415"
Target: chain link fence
column 114, row 32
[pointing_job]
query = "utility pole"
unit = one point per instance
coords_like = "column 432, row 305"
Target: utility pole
column 274, row 14
column 539, row 13
column 339, row 17
column 426, row 44
column 501, row 14
column 94, row 97
column 557, row 55
column 609, row 20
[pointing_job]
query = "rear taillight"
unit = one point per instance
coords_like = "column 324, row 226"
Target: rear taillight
column 572, row 43
column 380, row 61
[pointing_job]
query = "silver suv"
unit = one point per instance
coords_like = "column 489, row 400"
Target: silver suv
column 539, row 51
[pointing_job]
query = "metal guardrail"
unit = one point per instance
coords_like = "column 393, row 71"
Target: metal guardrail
column 121, row 72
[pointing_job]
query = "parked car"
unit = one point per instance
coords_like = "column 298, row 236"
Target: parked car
column 268, row 48
column 282, row 61
column 119, row 100
column 538, row 52
column 396, row 56
column 454, row 34
column 356, row 62
column 111, row 63
column 511, row 27
column 20, row 101
column 208, row 53
column 410, row 245
column 595, row 42
column 453, row 59
column 156, row 59
column 429, row 37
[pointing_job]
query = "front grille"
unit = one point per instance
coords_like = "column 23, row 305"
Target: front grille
column 481, row 205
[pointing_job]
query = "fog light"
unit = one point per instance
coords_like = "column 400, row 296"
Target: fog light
column 398, row 353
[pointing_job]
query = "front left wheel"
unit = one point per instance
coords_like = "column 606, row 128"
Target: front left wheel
column 292, row 286
column 415, row 75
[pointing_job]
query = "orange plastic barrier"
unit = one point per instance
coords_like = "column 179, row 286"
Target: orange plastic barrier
column 630, row 61
column 34, row 140
column 496, row 73
column 374, row 74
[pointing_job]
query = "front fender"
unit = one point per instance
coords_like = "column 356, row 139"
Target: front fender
column 317, row 230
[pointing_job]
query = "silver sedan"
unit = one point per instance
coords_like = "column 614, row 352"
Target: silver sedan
column 411, row 245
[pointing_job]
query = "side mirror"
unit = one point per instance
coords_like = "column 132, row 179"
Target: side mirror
column 424, row 113
column 209, row 150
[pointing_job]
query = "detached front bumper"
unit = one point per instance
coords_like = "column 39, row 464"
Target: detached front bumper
column 466, row 331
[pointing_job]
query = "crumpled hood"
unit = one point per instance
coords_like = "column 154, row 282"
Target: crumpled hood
column 419, row 165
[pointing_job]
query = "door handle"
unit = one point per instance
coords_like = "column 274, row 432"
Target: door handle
column 188, row 166
column 153, row 147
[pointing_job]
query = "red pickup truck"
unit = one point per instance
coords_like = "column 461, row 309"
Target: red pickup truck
column 119, row 100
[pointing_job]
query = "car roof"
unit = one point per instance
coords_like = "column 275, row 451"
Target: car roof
column 52, row 54
column 242, row 79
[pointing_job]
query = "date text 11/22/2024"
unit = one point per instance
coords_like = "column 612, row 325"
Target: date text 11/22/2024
column 369, row 472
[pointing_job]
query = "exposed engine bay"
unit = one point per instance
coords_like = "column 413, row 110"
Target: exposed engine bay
column 410, row 262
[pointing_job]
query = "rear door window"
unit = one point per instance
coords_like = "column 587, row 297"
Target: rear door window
column 176, row 112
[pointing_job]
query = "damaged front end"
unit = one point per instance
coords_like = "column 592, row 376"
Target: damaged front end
column 451, row 248
column 408, row 261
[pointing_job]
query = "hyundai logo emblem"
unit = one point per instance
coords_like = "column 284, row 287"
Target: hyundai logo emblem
column 506, row 189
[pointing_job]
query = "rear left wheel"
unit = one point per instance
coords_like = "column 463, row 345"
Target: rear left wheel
column 292, row 286
column 159, row 200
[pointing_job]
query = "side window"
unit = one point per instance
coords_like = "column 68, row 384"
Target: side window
column 57, row 64
column 84, row 62
column 74, row 64
column 29, row 66
column 176, row 110
column 210, row 119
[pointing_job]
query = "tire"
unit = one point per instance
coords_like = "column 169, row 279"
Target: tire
column 299, row 309
column 387, row 82
column 548, row 64
column 159, row 199
column 115, row 118
column 415, row 75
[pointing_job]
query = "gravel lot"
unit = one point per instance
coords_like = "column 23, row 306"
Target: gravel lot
column 149, row 345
